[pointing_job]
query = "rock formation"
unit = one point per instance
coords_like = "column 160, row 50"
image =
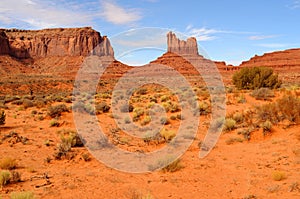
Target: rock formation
column 188, row 47
column 23, row 44
column 287, row 59
column 4, row 44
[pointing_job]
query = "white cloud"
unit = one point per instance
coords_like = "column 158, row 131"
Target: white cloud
column 118, row 15
column 273, row 45
column 36, row 14
column 261, row 37
column 201, row 34
column 208, row 34
column 294, row 5
column 41, row 14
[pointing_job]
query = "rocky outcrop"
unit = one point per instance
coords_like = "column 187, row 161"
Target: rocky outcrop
column 287, row 59
column 188, row 47
column 23, row 44
column 4, row 44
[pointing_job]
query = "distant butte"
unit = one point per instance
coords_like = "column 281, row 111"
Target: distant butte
column 24, row 44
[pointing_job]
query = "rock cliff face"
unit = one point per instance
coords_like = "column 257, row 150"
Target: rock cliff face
column 188, row 47
column 4, row 45
column 287, row 59
column 60, row 42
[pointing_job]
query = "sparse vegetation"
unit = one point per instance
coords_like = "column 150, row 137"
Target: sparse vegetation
column 168, row 135
column 102, row 108
column 8, row 163
column 266, row 126
column 287, row 107
column 229, row 124
column 22, row 195
column 54, row 122
column 2, row 117
column 233, row 140
column 167, row 164
column 4, row 178
column 263, row 94
column 56, row 111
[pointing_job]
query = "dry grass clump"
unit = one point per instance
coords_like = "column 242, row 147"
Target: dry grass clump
column 4, row 178
column 8, row 163
column 278, row 175
column 287, row 107
column 263, row 94
column 56, row 111
column 22, row 195
column 2, row 117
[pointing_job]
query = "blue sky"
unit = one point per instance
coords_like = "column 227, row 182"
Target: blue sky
column 229, row 30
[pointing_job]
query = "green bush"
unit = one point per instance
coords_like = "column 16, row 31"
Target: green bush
column 256, row 77
column 2, row 117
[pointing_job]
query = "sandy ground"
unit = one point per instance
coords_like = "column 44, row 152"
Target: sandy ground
column 236, row 170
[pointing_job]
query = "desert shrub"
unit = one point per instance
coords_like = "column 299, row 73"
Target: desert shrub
column 8, row 163
column 164, row 98
column 168, row 135
column 22, row 195
column 73, row 138
column 56, row 111
column 15, row 176
column 170, row 106
column 289, row 107
column 229, row 124
column 127, row 120
column 62, row 149
column 174, row 166
column 263, row 94
column 27, row 103
column 4, row 178
column 173, row 117
column 233, row 140
column 278, row 175
column 266, row 126
column 146, row 120
column 256, row 77
column 268, row 112
column 102, row 108
column 138, row 111
column 126, row 108
column 69, row 140
column 79, row 106
column 204, row 108
column 241, row 99
column 86, row 157
column 2, row 117
column 17, row 102
column 54, row 123
column 164, row 121
column 9, row 99
column 238, row 117
column 141, row 91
